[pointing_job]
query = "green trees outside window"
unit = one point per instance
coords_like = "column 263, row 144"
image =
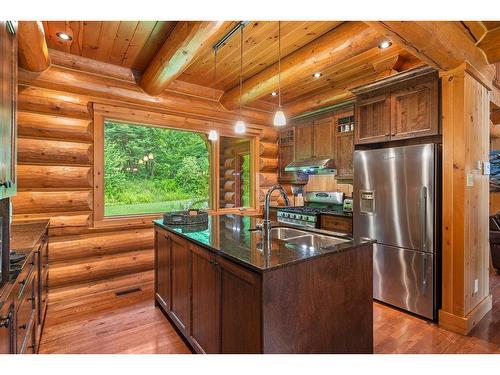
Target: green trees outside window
column 152, row 170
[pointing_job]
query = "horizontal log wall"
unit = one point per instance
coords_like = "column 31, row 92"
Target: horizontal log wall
column 55, row 180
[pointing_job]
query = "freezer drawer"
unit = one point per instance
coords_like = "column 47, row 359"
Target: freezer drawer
column 405, row 279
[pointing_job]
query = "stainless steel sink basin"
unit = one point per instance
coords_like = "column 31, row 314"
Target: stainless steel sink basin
column 316, row 241
column 286, row 233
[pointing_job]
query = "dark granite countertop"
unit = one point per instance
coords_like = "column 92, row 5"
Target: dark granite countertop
column 23, row 238
column 229, row 236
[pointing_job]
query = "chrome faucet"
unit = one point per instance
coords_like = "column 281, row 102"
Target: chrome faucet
column 266, row 223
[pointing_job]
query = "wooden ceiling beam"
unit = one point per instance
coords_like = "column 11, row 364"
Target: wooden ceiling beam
column 343, row 42
column 185, row 43
column 33, row 51
column 443, row 45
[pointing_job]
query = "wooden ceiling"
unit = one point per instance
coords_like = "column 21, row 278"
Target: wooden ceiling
column 131, row 44
column 135, row 44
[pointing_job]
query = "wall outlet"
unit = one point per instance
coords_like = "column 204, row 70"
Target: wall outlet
column 476, row 285
column 470, row 179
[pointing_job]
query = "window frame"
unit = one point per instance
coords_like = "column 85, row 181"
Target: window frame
column 104, row 112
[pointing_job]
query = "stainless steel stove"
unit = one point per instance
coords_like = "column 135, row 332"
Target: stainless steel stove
column 317, row 203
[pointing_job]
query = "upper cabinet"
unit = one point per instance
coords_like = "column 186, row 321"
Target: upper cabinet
column 315, row 138
column 344, row 144
column 8, row 93
column 304, row 140
column 287, row 156
column 399, row 107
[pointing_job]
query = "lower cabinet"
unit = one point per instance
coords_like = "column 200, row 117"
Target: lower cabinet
column 336, row 224
column 215, row 303
column 205, row 309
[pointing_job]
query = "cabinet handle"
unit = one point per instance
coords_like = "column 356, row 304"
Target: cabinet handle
column 5, row 321
column 23, row 326
column 387, row 134
column 7, row 184
column 31, row 347
column 22, row 282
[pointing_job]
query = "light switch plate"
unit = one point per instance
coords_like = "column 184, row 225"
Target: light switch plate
column 486, row 168
column 470, row 179
column 476, row 285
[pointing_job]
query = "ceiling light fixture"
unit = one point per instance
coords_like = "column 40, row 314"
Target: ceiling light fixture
column 63, row 36
column 240, row 126
column 317, row 74
column 385, row 44
column 274, row 93
column 279, row 116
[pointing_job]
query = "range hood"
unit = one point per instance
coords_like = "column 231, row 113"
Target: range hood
column 312, row 166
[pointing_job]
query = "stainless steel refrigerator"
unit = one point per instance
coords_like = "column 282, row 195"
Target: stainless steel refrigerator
column 395, row 203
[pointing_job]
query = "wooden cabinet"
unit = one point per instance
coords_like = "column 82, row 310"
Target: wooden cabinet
column 8, row 93
column 180, row 280
column 323, row 138
column 334, row 223
column 205, row 317
column 344, row 144
column 240, row 309
column 162, row 269
column 373, row 120
column 414, row 111
column 304, row 141
column 286, row 155
column 398, row 109
column 8, row 327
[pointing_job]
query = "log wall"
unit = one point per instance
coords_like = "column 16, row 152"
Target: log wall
column 55, row 180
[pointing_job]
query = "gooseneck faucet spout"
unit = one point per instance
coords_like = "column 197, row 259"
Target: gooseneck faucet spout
column 266, row 224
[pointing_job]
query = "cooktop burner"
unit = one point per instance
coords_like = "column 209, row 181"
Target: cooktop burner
column 305, row 210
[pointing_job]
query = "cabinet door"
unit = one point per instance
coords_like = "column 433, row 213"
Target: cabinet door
column 344, row 154
column 304, row 141
column 336, row 223
column 180, row 280
column 8, row 93
column 240, row 309
column 323, row 138
column 7, row 327
column 373, row 120
column 205, row 333
column 414, row 111
column 162, row 269
column 285, row 158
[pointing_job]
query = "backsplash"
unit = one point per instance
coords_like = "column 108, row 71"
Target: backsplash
column 327, row 183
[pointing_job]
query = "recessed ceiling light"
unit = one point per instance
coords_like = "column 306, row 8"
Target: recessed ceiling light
column 317, row 75
column 385, row 44
column 274, row 93
column 63, row 36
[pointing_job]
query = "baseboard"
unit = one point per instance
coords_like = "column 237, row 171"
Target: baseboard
column 463, row 325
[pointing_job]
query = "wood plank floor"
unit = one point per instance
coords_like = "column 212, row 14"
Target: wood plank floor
column 106, row 323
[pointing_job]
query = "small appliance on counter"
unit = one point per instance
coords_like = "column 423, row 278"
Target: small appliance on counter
column 316, row 203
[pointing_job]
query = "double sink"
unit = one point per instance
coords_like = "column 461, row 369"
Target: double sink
column 304, row 239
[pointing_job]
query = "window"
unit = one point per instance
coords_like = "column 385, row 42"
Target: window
column 153, row 170
column 235, row 172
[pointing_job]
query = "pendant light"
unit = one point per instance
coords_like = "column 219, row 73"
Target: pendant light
column 279, row 116
column 240, row 127
column 212, row 134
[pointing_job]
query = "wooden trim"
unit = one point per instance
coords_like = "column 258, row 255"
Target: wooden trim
column 463, row 325
column 101, row 112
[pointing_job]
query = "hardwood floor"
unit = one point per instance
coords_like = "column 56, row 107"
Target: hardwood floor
column 106, row 323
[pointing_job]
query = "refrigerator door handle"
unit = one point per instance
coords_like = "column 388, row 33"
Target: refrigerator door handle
column 423, row 217
column 424, row 279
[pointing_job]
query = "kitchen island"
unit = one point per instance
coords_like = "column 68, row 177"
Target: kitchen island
column 228, row 291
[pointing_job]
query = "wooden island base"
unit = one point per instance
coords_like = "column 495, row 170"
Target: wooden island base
column 321, row 305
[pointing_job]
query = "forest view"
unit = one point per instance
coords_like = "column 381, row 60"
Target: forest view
column 152, row 170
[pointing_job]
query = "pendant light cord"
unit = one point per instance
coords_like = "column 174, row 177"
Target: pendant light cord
column 279, row 64
column 241, row 64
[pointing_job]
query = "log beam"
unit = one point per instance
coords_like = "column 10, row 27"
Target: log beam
column 343, row 42
column 184, row 44
column 33, row 51
column 440, row 44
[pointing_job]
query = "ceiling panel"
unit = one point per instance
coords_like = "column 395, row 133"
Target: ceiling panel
column 260, row 49
column 131, row 44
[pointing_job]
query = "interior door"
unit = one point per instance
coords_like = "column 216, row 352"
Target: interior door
column 394, row 196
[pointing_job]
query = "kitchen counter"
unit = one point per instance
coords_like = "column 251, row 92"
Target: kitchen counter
column 228, row 291
column 23, row 238
column 229, row 236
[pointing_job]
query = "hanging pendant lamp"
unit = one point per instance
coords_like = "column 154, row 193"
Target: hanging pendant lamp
column 240, row 127
column 279, row 116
